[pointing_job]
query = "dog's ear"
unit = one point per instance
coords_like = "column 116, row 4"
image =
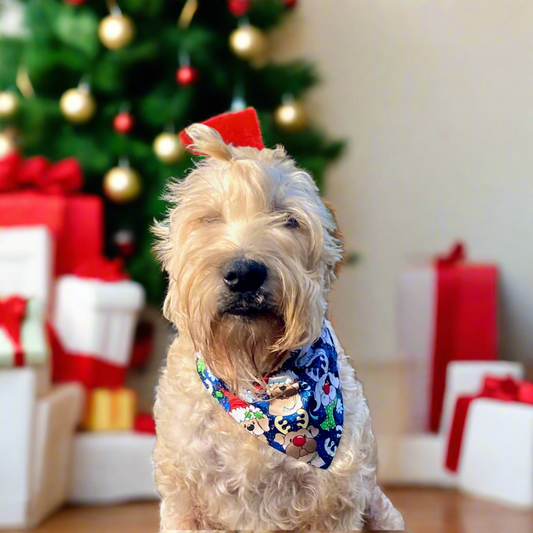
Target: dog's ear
column 162, row 246
column 337, row 238
column 207, row 141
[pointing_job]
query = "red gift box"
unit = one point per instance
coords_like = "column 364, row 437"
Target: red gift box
column 466, row 320
column 35, row 192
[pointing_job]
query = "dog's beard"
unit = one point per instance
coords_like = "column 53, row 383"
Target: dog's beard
column 242, row 350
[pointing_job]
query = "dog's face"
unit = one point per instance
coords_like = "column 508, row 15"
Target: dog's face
column 250, row 249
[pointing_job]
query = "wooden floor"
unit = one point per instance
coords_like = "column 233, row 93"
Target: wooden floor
column 425, row 511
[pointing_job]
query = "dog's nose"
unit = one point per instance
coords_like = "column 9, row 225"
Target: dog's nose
column 244, row 275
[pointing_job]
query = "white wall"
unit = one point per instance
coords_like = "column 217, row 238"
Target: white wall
column 436, row 100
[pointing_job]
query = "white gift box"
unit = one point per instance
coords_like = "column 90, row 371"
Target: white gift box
column 26, row 262
column 97, row 318
column 414, row 460
column 419, row 458
column 497, row 452
column 111, row 468
column 35, row 447
column 465, row 378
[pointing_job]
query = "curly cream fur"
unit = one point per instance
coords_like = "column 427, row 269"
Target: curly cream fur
column 210, row 473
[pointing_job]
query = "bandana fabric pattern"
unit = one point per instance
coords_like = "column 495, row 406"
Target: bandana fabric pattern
column 302, row 412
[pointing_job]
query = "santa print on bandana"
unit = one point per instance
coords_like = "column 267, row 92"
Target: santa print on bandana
column 302, row 412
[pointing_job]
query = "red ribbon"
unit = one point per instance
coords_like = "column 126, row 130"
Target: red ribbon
column 12, row 313
column 456, row 255
column 504, row 389
column 102, row 269
column 88, row 370
column 63, row 177
column 465, row 314
column 144, row 423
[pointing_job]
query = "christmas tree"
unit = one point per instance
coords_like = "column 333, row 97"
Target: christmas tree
column 111, row 84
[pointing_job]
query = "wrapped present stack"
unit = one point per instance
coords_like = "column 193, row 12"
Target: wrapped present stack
column 67, row 325
column 468, row 410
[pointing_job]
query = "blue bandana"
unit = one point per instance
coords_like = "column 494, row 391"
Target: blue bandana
column 301, row 413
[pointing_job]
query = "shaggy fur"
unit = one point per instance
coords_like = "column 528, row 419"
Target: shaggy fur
column 212, row 474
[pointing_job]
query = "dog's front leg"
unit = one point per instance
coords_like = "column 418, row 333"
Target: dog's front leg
column 381, row 515
column 177, row 513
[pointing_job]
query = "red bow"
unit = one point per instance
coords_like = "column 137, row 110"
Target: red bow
column 456, row 255
column 63, row 177
column 12, row 313
column 239, row 129
column 102, row 269
column 504, row 389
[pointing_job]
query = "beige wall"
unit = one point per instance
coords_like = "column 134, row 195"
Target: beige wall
column 436, row 99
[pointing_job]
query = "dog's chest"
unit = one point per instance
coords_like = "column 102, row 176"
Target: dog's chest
column 236, row 478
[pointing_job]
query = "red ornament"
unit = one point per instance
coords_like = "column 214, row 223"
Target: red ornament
column 186, row 76
column 123, row 123
column 238, row 8
column 290, row 4
column 124, row 240
column 75, row 2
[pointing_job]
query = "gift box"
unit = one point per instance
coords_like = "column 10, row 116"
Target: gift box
column 491, row 442
column 36, row 193
column 420, row 459
column 95, row 315
column 111, row 468
column 447, row 311
column 26, row 262
column 110, row 410
column 35, row 447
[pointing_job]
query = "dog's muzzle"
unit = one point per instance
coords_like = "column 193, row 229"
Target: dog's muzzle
column 245, row 283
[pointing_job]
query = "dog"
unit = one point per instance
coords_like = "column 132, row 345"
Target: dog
column 251, row 251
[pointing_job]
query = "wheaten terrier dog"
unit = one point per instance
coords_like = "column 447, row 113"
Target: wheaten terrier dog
column 261, row 421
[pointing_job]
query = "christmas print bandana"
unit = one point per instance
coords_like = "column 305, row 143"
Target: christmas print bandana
column 301, row 413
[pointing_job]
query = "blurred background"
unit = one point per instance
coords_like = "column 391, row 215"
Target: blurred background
column 415, row 120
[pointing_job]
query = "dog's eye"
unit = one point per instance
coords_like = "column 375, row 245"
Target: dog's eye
column 292, row 223
column 210, row 219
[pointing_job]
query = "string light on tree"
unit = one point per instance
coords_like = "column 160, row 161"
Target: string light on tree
column 9, row 104
column 116, row 30
column 78, row 105
column 290, row 116
column 7, row 143
column 247, row 42
column 168, row 148
column 122, row 184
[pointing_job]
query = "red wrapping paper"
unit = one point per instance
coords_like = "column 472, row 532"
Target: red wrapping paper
column 35, row 192
column 503, row 389
column 466, row 320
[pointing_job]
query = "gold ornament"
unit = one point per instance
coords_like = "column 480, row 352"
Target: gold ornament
column 77, row 105
column 168, row 147
column 7, row 144
column 291, row 117
column 122, row 184
column 9, row 104
column 116, row 30
column 247, row 42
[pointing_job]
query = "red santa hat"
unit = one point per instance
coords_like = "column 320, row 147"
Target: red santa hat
column 239, row 129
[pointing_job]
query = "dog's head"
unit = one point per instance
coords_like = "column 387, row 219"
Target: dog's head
column 251, row 250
